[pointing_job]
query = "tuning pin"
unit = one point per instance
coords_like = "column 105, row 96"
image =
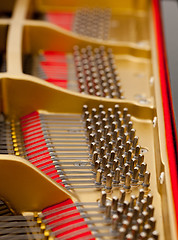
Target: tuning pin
column 89, row 130
column 94, row 157
column 98, row 177
column 101, row 142
column 92, row 147
column 142, row 171
column 104, row 161
column 142, row 205
column 102, row 152
column 117, row 176
column 137, row 150
column 134, row 230
column 93, row 112
column 103, row 199
column 106, row 130
column 111, row 119
column 88, row 122
column 114, row 203
column 129, row 236
column 135, row 176
column 141, row 196
column 125, row 207
column 129, row 156
column 122, row 197
column 149, row 199
column 114, row 223
column 108, row 138
column 109, row 181
column 119, row 123
column 113, row 126
column 125, row 111
column 86, row 115
column 125, row 224
column 120, row 213
column 152, row 223
column 125, row 170
column 103, row 122
column 146, row 181
column 140, row 160
column 155, row 235
column 118, row 115
column 107, row 170
column 135, row 142
column 109, row 112
column 85, row 108
column 132, row 134
column 150, row 210
column 103, row 116
column 122, row 233
column 122, row 161
column 91, row 137
column 95, row 119
column 135, row 213
column 129, row 218
column 97, row 165
column 115, row 165
column 127, row 118
column 122, row 131
column 120, row 151
column 144, row 216
column 118, row 142
column 99, row 135
column 112, row 156
column 147, row 228
column 110, row 147
column 143, row 236
column 115, row 135
column 139, row 224
column 129, row 126
column 101, row 108
column 132, row 164
column 116, row 109
column 132, row 202
column 127, row 147
column 108, row 210
column 124, row 139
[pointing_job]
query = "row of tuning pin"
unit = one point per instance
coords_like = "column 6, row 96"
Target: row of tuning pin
column 131, row 219
column 114, row 150
column 93, row 22
column 97, row 72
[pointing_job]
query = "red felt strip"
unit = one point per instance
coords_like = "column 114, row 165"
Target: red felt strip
column 38, row 153
column 54, row 56
column 167, row 104
column 58, row 211
column 62, row 19
column 35, row 141
column 27, row 117
column 31, row 120
column 59, row 83
column 55, row 68
column 54, row 53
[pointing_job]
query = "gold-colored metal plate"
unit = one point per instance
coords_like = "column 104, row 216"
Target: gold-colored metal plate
column 24, row 188
column 22, row 94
